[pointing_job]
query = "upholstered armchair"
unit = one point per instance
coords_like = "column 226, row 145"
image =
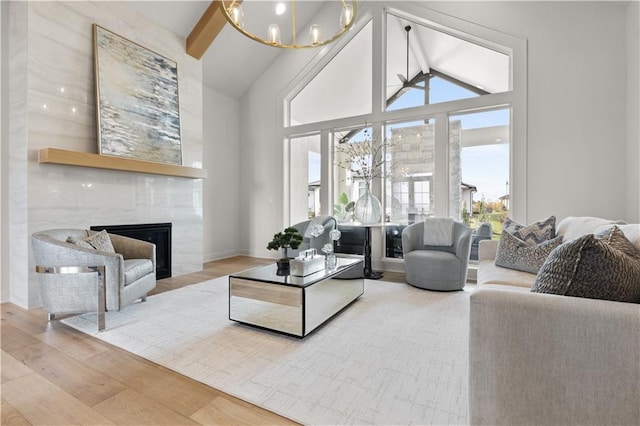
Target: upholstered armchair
column 483, row 232
column 431, row 267
column 130, row 272
column 309, row 241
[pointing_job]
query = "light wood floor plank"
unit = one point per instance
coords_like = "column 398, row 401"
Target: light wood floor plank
column 31, row 321
column 42, row 403
column 11, row 416
column 73, row 343
column 12, row 368
column 13, row 338
column 84, row 383
column 182, row 394
column 132, row 407
column 222, row 411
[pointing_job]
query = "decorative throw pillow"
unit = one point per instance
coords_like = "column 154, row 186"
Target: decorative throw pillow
column 514, row 253
column 593, row 268
column 616, row 239
column 534, row 233
column 99, row 241
column 80, row 243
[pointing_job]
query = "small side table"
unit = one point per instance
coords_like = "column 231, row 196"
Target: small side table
column 369, row 273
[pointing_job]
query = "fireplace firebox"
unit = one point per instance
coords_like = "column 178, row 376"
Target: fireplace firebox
column 156, row 233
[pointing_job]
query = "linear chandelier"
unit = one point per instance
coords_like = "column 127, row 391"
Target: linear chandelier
column 233, row 13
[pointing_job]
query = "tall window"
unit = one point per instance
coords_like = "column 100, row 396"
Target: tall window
column 443, row 97
column 410, row 164
column 484, row 160
column 304, row 182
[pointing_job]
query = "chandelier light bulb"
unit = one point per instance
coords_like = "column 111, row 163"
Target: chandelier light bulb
column 273, row 34
column 346, row 16
column 237, row 15
column 234, row 15
column 315, row 35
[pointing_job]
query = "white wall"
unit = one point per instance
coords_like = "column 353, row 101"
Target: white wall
column 51, row 47
column 633, row 112
column 576, row 101
column 4, row 138
column 577, row 113
column 261, row 154
column 221, row 191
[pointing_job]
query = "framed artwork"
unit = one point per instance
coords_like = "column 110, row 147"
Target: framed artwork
column 136, row 100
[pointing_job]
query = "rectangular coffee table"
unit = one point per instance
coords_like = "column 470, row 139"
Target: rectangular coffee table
column 290, row 304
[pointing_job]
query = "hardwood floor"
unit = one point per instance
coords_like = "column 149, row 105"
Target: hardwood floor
column 53, row 374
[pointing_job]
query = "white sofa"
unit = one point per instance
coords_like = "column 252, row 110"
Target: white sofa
column 548, row 359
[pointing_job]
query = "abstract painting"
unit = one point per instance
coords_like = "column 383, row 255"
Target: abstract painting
column 137, row 100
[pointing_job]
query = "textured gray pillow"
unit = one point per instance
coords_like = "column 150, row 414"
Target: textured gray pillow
column 101, row 242
column 534, row 233
column 514, row 253
column 607, row 268
column 80, row 243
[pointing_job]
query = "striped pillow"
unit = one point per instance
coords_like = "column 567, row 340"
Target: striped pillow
column 534, row 233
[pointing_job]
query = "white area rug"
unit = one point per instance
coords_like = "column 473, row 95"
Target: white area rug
column 398, row 355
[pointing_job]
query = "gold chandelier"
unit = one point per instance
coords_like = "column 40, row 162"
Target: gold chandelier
column 233, row 13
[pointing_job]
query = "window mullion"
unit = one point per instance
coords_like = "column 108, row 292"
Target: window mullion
column 326, row 173
column 441, row 166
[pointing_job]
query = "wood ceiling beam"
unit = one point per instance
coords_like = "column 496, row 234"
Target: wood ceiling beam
column 206, row 30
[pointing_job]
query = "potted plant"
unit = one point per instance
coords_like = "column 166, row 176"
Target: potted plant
column 289, row 238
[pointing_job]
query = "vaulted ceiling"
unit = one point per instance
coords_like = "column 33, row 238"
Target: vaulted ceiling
column 233, row 62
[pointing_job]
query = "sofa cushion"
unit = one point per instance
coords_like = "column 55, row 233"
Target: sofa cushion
column 632, row 232
column 513, row 253
column 573, row 227
column 587, row 266
column 490, row 274
column 534, row 233
column 134, row 269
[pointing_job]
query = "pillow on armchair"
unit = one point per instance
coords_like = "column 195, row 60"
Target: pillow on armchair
column 99, row 241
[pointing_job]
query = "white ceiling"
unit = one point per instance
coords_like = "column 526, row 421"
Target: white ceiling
column 233, row 62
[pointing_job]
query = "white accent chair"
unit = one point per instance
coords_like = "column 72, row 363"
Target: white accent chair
column 130, row 272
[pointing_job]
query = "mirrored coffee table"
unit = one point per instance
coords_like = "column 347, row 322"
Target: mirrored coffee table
column 292, row 305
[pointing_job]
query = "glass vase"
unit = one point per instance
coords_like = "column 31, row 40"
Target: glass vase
column 331, row 262
column 368, row 209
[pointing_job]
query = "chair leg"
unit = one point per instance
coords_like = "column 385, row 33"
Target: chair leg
column 50, row 316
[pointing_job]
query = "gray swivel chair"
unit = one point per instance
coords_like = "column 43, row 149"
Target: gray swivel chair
column 309, row 241
column 442, row 268
column 483, row 232
column 129, row 273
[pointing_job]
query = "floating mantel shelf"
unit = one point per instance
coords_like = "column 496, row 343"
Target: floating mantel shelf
column 84, row 159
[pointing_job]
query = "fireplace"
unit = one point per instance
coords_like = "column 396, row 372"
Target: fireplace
column 156, row 233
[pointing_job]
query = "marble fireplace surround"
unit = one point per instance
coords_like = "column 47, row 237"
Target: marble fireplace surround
column 52, row 105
